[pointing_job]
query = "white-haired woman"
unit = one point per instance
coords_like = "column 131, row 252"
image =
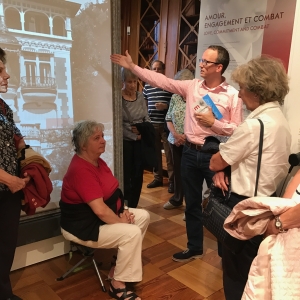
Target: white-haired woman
column 93, row 213
column 263, row 86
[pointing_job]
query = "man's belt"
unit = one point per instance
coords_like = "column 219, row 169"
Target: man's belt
column 193, row 146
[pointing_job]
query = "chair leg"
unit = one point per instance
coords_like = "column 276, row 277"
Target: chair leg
column 71, row 270
column 99, row 276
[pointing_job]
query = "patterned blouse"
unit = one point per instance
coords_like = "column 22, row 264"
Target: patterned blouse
column 8, row 151
column 176, row 114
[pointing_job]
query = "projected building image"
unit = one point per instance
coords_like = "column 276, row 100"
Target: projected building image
column 37, row 37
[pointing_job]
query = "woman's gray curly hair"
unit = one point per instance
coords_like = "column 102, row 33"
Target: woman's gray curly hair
column 264, row 76
column 82, row 131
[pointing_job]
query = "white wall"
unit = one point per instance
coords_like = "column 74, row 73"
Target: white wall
column 292, row 101
column 36, row 252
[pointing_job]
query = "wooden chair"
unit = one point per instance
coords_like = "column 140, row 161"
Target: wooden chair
column 87, row 253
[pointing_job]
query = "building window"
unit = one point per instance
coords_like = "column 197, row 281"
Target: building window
column 30, row 74
column 59, row 26
column 37, row 22
column 38, row 71
column 45, row 73
column 12, row 19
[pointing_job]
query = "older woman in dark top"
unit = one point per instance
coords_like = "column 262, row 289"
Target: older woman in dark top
column 134, row 112
column 11, row 141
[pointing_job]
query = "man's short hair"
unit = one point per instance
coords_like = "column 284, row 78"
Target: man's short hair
column 223, row 56
column 2, row 56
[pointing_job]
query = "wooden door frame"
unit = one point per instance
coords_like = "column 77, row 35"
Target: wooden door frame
column 172, row 38
column 130, row 13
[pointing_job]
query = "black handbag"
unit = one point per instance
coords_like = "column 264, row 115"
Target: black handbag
column 215, row 210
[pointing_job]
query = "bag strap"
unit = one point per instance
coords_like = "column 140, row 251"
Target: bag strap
column 261, row 140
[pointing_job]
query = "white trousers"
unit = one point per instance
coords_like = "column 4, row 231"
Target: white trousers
column 127, row 238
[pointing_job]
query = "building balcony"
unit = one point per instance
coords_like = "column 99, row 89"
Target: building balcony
column 38, row 89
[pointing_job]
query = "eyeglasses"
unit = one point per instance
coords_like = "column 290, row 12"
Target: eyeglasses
column 205, row 62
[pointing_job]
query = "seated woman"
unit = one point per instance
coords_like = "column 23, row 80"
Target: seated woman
column 93, row 212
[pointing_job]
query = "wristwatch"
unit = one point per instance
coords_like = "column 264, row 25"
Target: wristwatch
column 126, row 207
column 278, row 224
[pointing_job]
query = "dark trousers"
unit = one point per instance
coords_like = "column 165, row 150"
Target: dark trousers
column 236, row 266
column 10, row 208
column 176, row 152
column 133, row 171
column 194, row 169
column 161, row 138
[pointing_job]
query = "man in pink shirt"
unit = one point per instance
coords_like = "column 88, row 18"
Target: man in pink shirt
column 197, row 126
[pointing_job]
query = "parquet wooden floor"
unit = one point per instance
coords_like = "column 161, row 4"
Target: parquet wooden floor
column 162, row 277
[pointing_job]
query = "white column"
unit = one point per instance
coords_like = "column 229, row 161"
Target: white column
column 68, row 28
column 22, row 65
column 1, row 8
column 2, row 20
column 22, row 15
column 37, row 65
column 52, row 66
column 51, row 25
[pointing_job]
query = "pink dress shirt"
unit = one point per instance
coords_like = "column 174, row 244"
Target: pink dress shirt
column 224, row 96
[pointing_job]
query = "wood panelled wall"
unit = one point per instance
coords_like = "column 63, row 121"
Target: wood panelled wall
column 169, row 31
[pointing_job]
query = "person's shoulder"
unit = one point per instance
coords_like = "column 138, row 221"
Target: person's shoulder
column 140, row 97
column 74, row 166
column 146, row 86
column 196, row 82
column 250, row 125
column 76, row 163
column 230, row 88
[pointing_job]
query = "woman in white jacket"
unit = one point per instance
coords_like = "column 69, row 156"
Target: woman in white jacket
column 290, row 218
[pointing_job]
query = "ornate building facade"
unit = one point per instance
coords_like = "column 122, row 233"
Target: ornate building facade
column 37, row 38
